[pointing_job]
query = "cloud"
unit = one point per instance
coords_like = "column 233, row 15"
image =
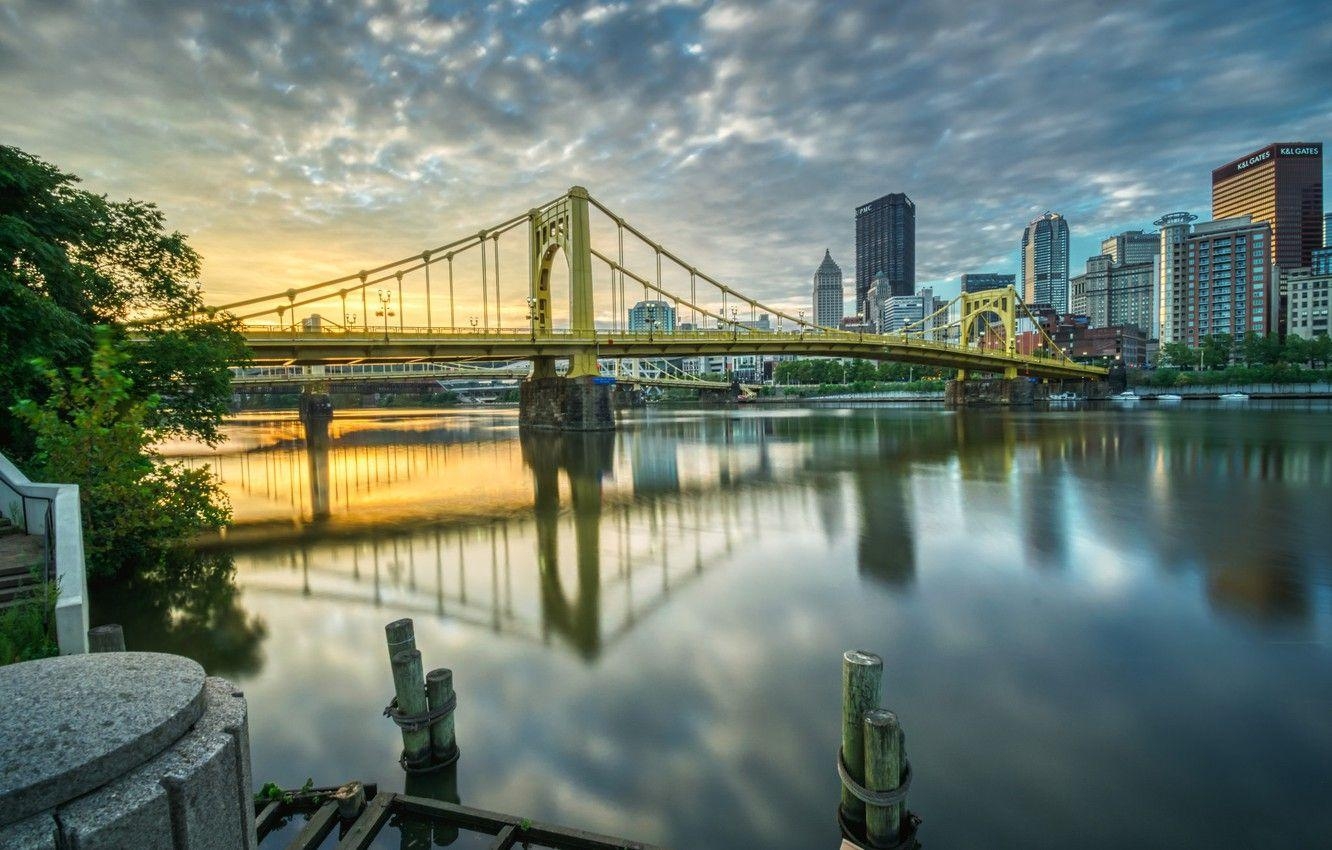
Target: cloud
column 296, row 141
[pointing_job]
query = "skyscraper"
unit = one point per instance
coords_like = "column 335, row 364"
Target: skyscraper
column 1227, row 286
column 1113, row 294
column 885, row 243
column 652, row 316
column 1280, row 185
column 1131, row 246
column 828, row 293
column 1172, row 296
column 1045, row 262
column 980, row 281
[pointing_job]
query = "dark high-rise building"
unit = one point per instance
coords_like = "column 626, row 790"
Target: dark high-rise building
column 1280, row 185
column 979, row 281
column 1045, row 262
column 886, row 243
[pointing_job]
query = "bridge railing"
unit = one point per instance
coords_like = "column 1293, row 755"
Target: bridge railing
column 858, row 343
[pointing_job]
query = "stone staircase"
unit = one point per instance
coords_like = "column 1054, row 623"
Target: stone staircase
column 20, row 555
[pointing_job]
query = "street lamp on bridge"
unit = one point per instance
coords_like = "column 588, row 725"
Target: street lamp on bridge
column 385, row 299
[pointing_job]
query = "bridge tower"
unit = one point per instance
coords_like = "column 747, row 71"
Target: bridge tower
column 578, row 401
column 989, row 308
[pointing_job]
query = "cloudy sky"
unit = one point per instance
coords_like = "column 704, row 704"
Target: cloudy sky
column 297, row 141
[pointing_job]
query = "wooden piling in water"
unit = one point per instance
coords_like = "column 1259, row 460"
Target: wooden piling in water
column 407, row 685
column 108, row 638
column 883, row 772
column 862, row 678
column 400, row 634
column 439, row 692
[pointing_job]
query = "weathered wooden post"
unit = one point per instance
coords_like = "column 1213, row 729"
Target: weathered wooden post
column 884, row 760
column 108, row 638
column 440, row 697
column 400, row 634
column 411, row 699
column 862, row 678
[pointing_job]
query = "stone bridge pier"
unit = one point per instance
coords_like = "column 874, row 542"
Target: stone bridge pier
column 554, row 403
column 982, row 392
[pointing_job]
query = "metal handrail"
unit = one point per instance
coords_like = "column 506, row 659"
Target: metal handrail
column 48, row 533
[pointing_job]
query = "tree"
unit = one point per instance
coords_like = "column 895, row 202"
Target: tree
column 1217, row 349
column 1177, row 354
column 1320, row 350
column 1297, row 351
column 1261, row 349
column 71, row 260
column 93, row 431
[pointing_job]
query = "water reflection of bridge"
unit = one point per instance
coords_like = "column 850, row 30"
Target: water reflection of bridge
column 601, row 565
column 580, row 538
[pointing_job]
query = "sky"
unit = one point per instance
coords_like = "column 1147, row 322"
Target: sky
column 298, row 141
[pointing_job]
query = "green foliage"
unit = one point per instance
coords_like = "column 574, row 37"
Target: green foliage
column 27, row 627
column 1177, row 354
column 822, row 370
column 1256, row 358
column 71, row 260
column 92, row 430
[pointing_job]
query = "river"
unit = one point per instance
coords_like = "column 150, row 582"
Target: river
column 1100, row 628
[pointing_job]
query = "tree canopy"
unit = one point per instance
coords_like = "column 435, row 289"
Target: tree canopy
column 72, row 260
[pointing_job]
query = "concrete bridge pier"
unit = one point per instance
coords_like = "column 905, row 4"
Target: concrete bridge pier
column 985, row 392
column 550, row 402
column 316, row 414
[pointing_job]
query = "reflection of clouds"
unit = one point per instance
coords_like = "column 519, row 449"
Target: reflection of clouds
column 1038, row 705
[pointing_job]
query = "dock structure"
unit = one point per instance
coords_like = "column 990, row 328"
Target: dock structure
column 419, row 817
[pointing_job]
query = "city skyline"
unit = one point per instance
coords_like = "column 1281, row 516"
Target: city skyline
column 292, row 146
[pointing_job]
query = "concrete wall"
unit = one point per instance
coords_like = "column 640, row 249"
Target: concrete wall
column 1314, row 390
column 67, row 526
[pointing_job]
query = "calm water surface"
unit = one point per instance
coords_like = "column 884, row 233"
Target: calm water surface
column 1100, row 628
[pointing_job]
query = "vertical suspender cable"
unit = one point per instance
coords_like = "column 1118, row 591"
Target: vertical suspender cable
column 693, row 298
column 426, row 259
column 499, row 323
column 402, row 308
column 453, row 319
column 365, row 307
column 624, row 308
column 485, row 287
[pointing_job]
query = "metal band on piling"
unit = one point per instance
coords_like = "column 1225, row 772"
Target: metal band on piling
column 875, row 798
column 424, row 720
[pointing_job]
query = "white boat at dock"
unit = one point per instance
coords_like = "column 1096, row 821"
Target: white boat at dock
column 1234, row 396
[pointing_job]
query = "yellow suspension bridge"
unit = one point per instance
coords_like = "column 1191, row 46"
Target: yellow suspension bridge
column 974, row 333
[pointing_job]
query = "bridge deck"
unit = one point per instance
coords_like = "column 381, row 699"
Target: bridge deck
column 298, row 347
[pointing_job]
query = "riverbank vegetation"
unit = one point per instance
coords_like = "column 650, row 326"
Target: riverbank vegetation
column 107, row 349
column 27, row 627
column 1252, row 359
column 830, row 371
